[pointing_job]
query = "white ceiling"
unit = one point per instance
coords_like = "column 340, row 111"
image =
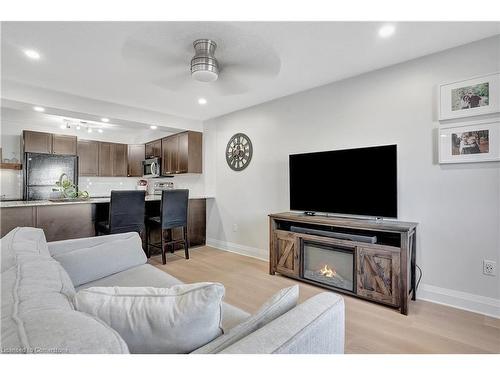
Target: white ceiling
column 146, row 64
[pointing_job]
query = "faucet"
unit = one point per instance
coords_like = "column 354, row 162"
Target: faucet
column 61, row 178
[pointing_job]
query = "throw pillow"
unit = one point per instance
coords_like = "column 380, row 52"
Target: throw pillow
column 283, row 301
column 158, row 320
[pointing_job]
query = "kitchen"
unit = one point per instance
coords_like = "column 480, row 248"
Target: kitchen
column 97, row 157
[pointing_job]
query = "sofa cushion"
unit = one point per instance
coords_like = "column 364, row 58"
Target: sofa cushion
column 114, row 254
column 283, row 301
column 21, row 242
column 37, row 311
column 143, row 275
column 158, row 320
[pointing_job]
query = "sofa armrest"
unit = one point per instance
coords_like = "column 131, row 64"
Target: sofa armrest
column 89, row 259
column 313, row 327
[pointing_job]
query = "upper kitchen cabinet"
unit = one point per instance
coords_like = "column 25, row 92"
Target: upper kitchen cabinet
column 64, row 144
column 37, row 142
column 182, row 153
column 135, row 158
column 88, row 158
column 47, row 143
column 153, row 149
column 105, row 159
column 120, row 160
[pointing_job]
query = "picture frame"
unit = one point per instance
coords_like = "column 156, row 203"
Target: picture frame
column 470, row 97
column 471, row 142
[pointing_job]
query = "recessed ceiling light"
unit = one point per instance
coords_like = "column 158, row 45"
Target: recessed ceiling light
column 89, row 130
column 154, row 127
column 99, row 130
column 39, row 109
column 202, row 101
column 104, row 119
column 78, row 127
column 32, row 54
column 386, row 31
column 63, row 126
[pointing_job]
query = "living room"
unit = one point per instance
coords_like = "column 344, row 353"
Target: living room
column 314, row 187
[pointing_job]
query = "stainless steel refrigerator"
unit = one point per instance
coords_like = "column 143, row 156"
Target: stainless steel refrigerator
column 42, row 171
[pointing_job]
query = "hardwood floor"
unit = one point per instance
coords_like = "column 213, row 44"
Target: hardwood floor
column 370, row 328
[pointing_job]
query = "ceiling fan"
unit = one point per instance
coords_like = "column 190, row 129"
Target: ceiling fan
column 238, row 67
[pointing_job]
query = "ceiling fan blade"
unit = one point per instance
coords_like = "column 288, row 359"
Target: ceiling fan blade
column 228, row 86
column 151, row 56
column 175, row 82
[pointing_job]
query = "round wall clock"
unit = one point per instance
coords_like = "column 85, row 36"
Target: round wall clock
column 239, row 152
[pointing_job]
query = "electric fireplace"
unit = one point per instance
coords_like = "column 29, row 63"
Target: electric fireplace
column 328, row 264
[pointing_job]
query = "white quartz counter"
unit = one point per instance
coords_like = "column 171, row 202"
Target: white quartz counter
column 9, row 204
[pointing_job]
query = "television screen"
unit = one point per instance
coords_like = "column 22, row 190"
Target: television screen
column 361, row 181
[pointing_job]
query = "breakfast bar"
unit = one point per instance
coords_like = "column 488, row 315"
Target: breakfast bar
column 76, row 218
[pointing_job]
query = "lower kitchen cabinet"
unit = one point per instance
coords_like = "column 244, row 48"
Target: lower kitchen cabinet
column 13, row 217
column 59, row 222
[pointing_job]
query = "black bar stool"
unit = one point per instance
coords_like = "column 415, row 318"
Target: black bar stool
column 173, row 214
column 126, row 213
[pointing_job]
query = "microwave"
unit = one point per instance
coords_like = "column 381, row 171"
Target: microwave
column 151, row 167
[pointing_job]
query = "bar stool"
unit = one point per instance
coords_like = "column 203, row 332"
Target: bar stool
column 173, row 214
column 126, row 213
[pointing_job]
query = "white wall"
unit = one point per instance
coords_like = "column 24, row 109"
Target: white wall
column 457, row 206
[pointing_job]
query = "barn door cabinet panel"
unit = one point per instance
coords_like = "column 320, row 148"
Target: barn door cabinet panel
column 88, row 158
column 64, row 144
column 378, row 274
column 287, row 250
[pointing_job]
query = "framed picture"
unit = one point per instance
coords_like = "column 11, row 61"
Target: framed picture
column 470, row 143
column 471, row 97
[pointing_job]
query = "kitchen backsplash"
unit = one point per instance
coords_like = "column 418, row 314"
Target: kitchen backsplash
column 11, row 184
column 102, row 186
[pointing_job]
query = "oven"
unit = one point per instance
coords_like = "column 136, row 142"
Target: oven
column 151, row 167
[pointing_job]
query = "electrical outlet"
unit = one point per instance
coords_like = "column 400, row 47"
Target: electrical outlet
column 235, row 227
column 489, row 267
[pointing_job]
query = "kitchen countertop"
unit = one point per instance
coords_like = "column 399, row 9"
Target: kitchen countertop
column 9, row 204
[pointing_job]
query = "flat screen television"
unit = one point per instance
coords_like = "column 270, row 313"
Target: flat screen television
column 360, row 182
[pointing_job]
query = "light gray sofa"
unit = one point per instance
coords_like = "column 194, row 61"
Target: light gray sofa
column 39, row 280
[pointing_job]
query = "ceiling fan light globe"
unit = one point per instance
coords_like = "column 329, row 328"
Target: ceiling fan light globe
column 205, row 75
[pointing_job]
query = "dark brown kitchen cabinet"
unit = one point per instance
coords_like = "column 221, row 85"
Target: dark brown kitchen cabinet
column 135, row 159
column 37, row 142
column 182, row 153
column 120, row 160
column 105, row 159
column 64, row 144
column 88, row 158
column 153, row 149
column 169, row 148
column 48, row 143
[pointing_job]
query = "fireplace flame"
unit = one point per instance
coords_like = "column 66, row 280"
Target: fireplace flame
column 327, row 271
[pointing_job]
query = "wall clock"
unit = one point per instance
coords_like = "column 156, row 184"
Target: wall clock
column 239, row 152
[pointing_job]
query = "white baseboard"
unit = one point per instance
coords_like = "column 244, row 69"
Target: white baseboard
column 239, row 249
column 449, row 297
column 460, row 300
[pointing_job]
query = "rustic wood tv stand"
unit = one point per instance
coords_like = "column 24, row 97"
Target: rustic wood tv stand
column 383, row 272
